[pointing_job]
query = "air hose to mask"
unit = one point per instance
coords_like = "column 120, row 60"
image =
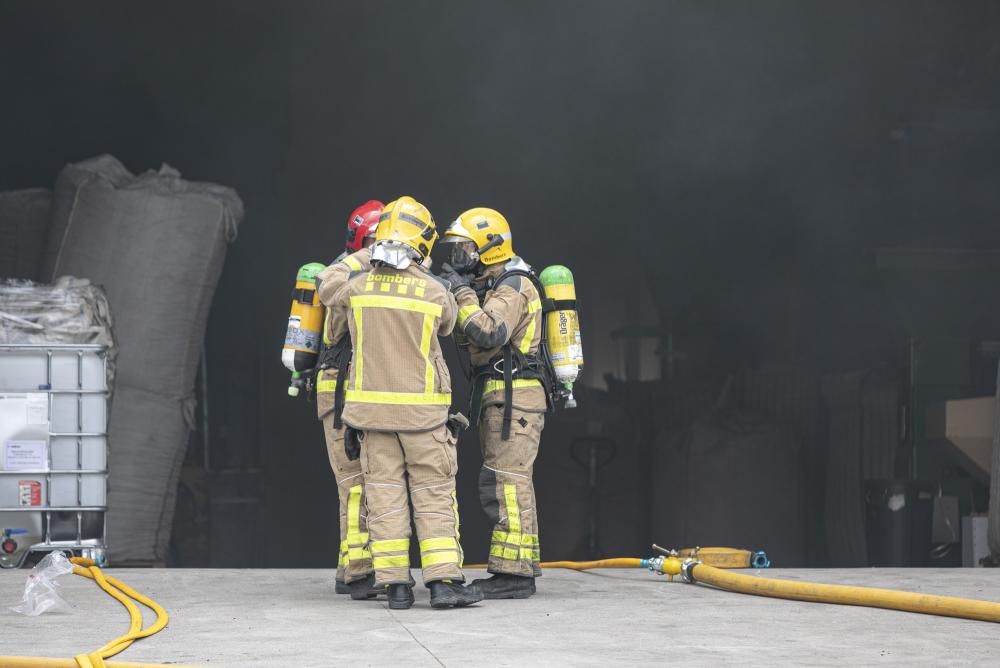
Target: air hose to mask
column 125, row 595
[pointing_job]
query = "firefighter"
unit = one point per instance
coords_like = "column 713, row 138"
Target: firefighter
column 499, row 320
column 355, row 574
column 397, row 400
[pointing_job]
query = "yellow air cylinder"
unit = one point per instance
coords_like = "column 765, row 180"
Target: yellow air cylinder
column 305, row 327
column 563, row 327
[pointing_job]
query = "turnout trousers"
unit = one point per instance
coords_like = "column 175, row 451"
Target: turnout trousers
column 507, row 492
column 355, row 560
column 423, row 464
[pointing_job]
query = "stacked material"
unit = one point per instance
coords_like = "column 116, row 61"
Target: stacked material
column 24, row 219
column 156, row 243
column 69, row 311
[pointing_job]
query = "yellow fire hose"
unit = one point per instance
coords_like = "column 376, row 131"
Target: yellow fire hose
column 720, row 557
column 927, row 604
column 122, row 593
column 707, row 565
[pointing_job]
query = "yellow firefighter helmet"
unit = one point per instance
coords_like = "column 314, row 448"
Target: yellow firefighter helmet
column 405, row 222
column 487, row 229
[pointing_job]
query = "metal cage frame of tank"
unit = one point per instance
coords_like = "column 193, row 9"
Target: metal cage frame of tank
column 93, row 548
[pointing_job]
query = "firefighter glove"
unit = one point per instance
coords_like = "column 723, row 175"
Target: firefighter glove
column 352, row 443
column 457, row 423
column 456, row 279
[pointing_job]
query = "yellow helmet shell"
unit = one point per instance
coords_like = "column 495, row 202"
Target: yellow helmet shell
column 480, row 225
column 407, row 221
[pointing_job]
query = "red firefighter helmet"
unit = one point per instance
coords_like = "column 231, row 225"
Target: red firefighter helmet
column 362, row 224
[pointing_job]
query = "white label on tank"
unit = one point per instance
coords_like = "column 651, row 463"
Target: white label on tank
column 26, row 456
column 37, row 405
column 302, row 338
column 897, row 502
column 294, row 321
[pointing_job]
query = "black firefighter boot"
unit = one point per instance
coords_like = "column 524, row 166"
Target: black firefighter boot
column 365, row 588
column 502, row 585
column 400, row 596
column 342, row 587
column 446, row 594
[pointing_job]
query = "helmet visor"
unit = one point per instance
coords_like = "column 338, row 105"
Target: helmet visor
column 462, row 254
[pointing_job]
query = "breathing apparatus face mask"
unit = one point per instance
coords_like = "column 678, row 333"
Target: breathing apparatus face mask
column 393, row 254
column 463, row 256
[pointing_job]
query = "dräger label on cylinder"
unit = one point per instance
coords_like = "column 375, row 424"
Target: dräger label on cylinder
column 29, row 492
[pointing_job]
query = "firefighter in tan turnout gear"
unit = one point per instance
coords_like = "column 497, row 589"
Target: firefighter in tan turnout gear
column 397, row 401
column 355, row 574
column 499, row 318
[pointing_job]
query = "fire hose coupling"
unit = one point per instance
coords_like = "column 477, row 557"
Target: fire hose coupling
column 687, row 570
column 760, row 560
column 668, row 565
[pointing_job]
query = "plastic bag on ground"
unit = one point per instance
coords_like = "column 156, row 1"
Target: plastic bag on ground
column 41, row 591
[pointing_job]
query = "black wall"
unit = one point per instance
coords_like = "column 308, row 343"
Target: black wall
column 740, row 160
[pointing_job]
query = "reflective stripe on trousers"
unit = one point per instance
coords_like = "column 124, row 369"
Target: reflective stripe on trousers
column 514, row 545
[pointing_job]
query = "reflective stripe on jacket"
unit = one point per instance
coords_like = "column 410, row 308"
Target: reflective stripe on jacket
column 328, row 282
column 398, row 380
column 510, row 311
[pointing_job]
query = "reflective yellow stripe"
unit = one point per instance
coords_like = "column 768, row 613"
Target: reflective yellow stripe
column 504, row 552
column 434, row 558
column 398, row 398
column 359, row 349
column 438, row 544
column 352, row 264
column 400, row 561
column 513, row 511
column 394, row 545
column 397, row 303
column 529, row 334
column 354, row 512
column 497, row 385
column 425, row 349
column 515, row 539
column 342, row 556
column 509, row 537
column 358, row 553
column 326, row 386
column 534, row 306
column 326, row 328
column 466, row 312
column 531, row 554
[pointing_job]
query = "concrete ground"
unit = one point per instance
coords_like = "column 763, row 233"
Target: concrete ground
column 598, row 618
